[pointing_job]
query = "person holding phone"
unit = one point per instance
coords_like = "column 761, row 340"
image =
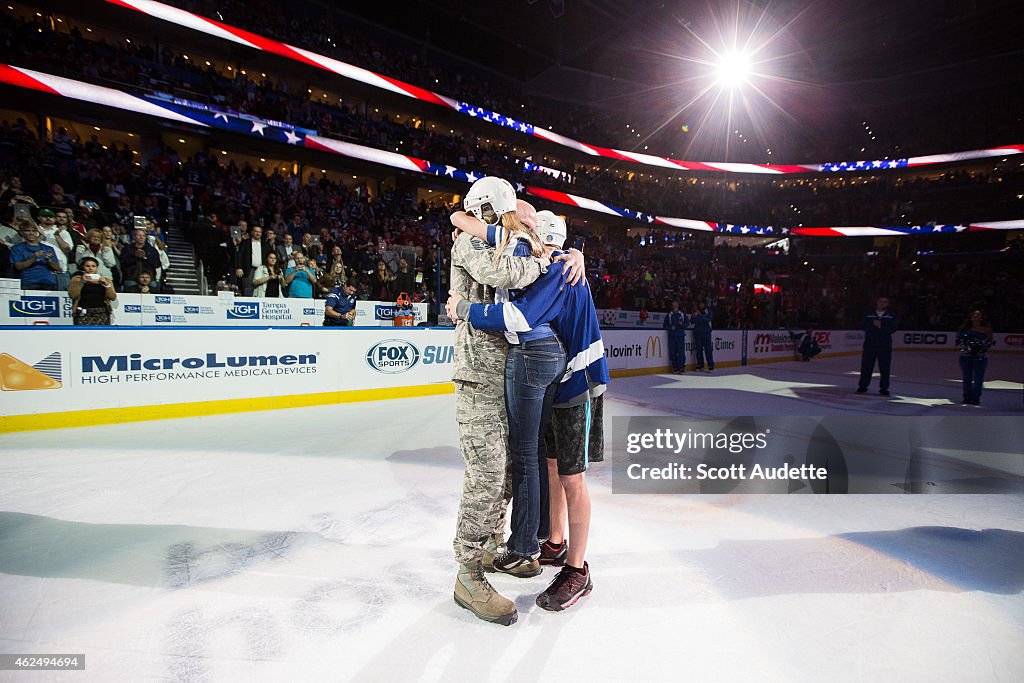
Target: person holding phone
column 300, row 278
column 91, row 294
column 268, row 279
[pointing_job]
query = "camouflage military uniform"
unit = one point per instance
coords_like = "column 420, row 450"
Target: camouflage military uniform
column 479, row 378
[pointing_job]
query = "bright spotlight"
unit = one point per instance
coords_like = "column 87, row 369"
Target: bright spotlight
column 733, row 69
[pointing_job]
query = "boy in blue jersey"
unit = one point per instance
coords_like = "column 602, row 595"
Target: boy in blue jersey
column 574, row 434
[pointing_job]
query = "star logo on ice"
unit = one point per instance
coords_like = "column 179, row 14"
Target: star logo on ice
column 748, row 383
column 921, row 401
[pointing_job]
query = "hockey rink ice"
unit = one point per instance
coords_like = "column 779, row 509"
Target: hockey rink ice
column 314, row 544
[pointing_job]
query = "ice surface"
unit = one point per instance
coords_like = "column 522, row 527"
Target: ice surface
column 315, row 544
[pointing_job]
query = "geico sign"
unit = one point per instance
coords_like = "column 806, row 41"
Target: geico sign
column 928, row 338
column 652, row 349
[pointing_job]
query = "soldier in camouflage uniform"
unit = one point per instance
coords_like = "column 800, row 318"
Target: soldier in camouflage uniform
column 479, row 379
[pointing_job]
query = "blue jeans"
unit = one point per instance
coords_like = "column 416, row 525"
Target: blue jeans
column 532, row 372
column 973, row 369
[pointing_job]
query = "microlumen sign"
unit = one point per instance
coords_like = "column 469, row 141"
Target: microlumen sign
column 135, row 362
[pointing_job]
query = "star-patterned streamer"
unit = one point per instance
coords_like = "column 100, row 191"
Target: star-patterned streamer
column 239, row 36
column 184, row 111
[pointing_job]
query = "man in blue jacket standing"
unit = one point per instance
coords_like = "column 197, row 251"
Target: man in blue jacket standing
column 702, row 345
column 878, row 326
column 675, row 325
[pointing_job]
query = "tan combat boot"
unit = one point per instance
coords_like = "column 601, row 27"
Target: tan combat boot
column 473, row 592
column 493, row 547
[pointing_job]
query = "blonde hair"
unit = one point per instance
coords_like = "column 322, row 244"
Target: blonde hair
column 515, row 228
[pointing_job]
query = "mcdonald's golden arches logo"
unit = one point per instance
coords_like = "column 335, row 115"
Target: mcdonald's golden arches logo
column 652, row 349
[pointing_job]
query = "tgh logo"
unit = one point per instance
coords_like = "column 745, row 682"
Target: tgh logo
column 244, row 311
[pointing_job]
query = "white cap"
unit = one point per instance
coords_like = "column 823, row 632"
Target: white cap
column 496, row 192
column 551, row 229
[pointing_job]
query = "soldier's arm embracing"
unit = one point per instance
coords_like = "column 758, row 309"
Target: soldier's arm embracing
column 510, row 272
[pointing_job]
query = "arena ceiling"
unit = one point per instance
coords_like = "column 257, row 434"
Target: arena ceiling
column 828, row 59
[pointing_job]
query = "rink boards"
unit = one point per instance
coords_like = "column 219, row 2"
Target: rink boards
column 67, row 376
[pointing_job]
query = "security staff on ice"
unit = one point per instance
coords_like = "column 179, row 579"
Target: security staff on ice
column 878, row 326
column 675, row 324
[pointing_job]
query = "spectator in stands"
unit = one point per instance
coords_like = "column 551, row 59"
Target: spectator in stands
column 340, row 307
column 56, row 236
column 320, row 272
column 268, row 279
column 248, row 257
column 285, row 251
column 405, row 279
column 300, row 278
column 334, row 277
column 878, row 326
column 336, row 256
column 8, row 234
column 155, row 234
column 65, row 222
column 95, row 247
column 59, row 200
column 12, row 193
column 298, row 226
column 270, row 237
column 61, row 242
column 123, row 214
column 310, row 246
column 145, row 285
column 110, row 240
column 92, row 294
column 138, row 256
column 382, row 283
column 36, row 263
column 974, row 340
column 189, row 208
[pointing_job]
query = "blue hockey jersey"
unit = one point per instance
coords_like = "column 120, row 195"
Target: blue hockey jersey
column 569, row 309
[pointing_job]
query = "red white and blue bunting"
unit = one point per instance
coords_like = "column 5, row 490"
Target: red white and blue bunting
column 239, row 36
column 191, row 113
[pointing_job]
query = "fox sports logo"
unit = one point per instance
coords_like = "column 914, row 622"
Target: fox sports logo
column 392, row 356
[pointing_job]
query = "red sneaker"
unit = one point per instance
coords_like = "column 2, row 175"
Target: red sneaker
column 568, row 587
